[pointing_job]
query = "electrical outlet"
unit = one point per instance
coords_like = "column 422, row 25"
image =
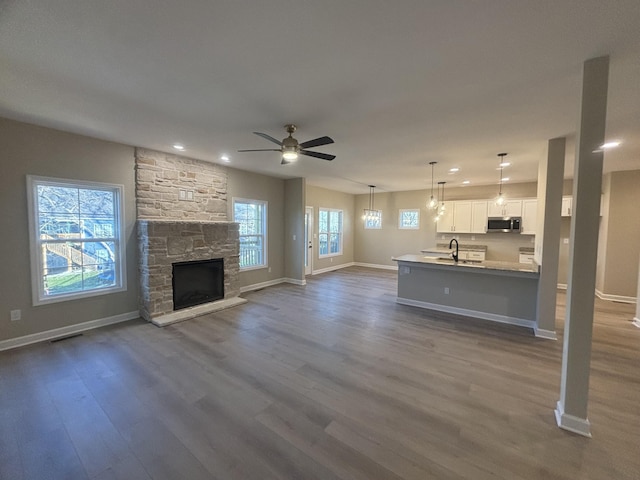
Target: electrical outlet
column 294, row 237
column 332, row 260
column 269, row 269
column 473, row 237
column 565, row 241
column 446, row 290
column 190, row 195
column 16, row 315
column 182, row 195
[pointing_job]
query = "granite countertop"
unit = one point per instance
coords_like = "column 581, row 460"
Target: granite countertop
column 526, row 250
column 487, row 264
column 462, row 246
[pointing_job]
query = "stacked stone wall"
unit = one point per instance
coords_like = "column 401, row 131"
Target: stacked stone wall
column 179, row 188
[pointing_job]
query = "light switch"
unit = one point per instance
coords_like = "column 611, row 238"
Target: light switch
column 294, row 237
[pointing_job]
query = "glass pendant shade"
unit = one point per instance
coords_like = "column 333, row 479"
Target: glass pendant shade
column 432, row 204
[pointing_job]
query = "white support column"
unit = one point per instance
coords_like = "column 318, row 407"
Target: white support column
column 547, row 246
column 571, row 411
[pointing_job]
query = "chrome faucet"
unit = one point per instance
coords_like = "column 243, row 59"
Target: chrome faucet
column 454, row 255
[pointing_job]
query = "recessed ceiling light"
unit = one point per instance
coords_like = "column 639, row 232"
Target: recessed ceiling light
column 466, row 182
column 225, row 158
column 612, row 144
column 178, row 146
column 454, row 169
column 505, row 179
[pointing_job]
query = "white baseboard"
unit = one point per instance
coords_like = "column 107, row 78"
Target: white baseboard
column 332, row 268
column 615, row 298
column 581, row 426
column 521, row 322
column 258, row 286
column 65, row 331
column 374, row 265
column 606, row 296
column 270, row 283
column 548, row 334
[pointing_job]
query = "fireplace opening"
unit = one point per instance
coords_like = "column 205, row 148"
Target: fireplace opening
column 197, row 282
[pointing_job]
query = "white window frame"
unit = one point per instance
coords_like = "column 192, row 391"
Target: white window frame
column 401, row 226
column 265, row 228
column 375, row 224
column 39, row 296
column 329, row 232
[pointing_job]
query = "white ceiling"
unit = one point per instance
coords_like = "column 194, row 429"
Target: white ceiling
column 396, row 83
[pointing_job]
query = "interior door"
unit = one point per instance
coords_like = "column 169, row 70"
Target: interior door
column 308, row 240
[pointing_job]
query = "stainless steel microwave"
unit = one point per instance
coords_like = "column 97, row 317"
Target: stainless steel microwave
column 504, row 224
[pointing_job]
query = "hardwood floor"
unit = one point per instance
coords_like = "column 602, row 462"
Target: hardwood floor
column 329, row 381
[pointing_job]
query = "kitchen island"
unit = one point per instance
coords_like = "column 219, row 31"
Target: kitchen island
column 499, row 291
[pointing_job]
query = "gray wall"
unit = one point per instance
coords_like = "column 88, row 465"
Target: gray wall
column 242, row 184
column 30, row 150
column 378, row 246
column 294, row 246
column 317, row 197
column 622, row 247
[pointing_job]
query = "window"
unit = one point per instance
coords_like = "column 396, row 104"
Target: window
column 252, row 217
column 77, row 239
column 330, row 232
column 409, row 219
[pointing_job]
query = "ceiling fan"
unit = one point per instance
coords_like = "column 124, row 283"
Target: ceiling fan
column 290, row 147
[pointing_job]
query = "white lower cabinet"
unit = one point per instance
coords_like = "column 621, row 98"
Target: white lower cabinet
column 474, row 255
column 526, row 258
column 565, row 211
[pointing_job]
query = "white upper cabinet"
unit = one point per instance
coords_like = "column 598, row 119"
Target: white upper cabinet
column 479, row 217
column 511, row 208
column 529, row 216
column 566, row 206
column 456, row 218
column 445, row 222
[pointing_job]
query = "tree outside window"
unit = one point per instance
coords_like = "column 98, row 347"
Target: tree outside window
column 330, row 232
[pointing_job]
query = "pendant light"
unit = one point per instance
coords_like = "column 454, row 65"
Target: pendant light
column 370, row 214
column 442, row 207
column 500, row 198
column 433, row 202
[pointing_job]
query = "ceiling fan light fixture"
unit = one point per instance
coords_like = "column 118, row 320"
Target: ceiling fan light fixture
column 290, row 155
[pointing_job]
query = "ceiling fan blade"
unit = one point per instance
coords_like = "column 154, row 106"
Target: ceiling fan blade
column 285, row 161
column 268, row 137
column 262, row 150
column 316, row 142
column 323, row 156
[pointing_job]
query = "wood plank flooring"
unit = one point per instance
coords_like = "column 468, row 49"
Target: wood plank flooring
column 333, row 380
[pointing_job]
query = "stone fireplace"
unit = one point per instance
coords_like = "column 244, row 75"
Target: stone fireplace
column 182, row 216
